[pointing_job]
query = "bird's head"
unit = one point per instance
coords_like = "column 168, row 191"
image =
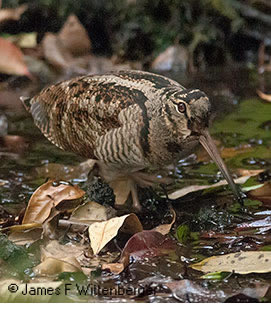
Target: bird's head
column 187, row 114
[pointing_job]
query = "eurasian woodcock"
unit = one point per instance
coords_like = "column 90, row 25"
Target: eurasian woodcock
column 129, row 121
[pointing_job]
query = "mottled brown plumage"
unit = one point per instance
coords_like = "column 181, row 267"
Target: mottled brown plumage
column 129, row 121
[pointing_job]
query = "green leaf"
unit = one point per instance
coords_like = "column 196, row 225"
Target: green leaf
column 183, row 233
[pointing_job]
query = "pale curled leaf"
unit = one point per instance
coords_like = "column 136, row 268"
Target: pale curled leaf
column 194, row 188
column 245, row 262
column 100, row 233
column 47, row 197
column 165, row 228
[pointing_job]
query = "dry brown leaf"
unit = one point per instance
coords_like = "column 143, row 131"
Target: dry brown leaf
column 194, row 188
column 25, row 237
column 100, row 233
column 48, row 197
column 74, row 37
column 244, row 262
column 11, row 59
column 57, row 258
column 55, row 53
column 117, row 267
column 165, row 228
column 263, row 96
column 12, row 13
column 122, row 190
column 262, row 193
column 53, row 266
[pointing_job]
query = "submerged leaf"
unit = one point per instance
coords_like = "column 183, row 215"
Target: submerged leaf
column 142, row 244
column 245, row 262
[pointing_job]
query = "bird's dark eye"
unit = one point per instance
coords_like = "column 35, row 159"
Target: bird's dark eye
column 181, row 107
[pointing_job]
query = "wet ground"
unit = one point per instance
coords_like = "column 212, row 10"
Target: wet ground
column 206, row 224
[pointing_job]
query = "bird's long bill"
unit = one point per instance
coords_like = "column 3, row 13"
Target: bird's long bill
column 209, row 145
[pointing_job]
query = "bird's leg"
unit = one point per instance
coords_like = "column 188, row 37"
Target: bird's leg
column 145, row 179
column 134, row 193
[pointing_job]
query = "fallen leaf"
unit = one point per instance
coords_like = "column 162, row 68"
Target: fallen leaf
column 47, row 197
column 263, row 96
column 262, row 193
column 248, row 172
column 74, row 37
column 57, row 258
column 53, row 266
column 165, row 228
column 122, row 190
column 11, row 59
column 55, row 53
column 244, row 262
column 19, row 295
column 64, row 172
column 142, row 244
column 194, row 188
column 100, row 233
column 92, row 212
column 25, row 237
column 12, row 13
